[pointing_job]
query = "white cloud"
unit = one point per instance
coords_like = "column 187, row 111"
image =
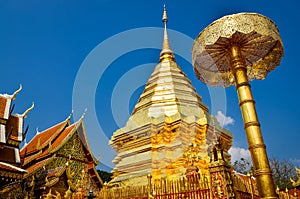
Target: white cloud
column 223, row 119
column 238, row 153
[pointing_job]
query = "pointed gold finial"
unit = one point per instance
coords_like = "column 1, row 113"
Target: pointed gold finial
column 71, row 114
column 166, row 52
column 165, row 16
column 24, row 115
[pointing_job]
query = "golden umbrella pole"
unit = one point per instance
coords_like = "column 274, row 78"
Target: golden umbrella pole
column 256, row 144
column 232, row 51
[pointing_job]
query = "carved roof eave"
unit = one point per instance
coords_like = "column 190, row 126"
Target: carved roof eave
column 96, row 162
column 32, row 157
column 47, row 161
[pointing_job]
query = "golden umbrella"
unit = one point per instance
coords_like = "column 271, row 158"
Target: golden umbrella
column 232, row 51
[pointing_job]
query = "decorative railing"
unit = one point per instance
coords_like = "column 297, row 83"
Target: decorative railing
column 245, row 195
column 193, row 187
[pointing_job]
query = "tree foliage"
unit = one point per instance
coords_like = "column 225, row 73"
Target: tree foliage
column 242, row 166
column 282, row 172
column 105, row 176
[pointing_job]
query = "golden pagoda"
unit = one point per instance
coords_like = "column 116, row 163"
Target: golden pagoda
column 170, row 131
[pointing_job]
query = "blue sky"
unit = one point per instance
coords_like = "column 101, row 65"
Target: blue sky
column 45, row 44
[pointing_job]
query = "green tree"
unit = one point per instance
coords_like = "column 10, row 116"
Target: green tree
column 242, row 166
column 105, row 176
column 282, row 172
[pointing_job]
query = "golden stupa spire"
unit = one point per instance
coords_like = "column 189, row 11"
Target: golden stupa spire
column 166, row 52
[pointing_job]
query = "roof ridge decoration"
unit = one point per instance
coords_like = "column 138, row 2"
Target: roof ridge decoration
column 66, row 120
column 24, row 115
column 83, row 114
column 37, row 130
column 13, row 96
column 166, row 52
column 71, row 114
column 25, row 141
column 16, row 92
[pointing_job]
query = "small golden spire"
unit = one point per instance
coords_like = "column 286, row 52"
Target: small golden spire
column 166, row 52
column 165, row 16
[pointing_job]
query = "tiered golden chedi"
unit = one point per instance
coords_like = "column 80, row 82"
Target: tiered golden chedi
column 169, row 131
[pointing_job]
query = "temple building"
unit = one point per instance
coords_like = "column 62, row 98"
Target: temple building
column 56, row 161
column 60, row 158
column 170, row 131
column 12, row 133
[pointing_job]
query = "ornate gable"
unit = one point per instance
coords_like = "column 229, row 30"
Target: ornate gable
column 74, row 148
column 48, row 152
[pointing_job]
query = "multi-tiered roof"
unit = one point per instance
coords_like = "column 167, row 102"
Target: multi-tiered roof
column 12, row 133
column 45, row 157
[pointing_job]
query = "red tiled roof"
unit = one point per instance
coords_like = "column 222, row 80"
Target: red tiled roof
column 59, row 140
column 58, row 136
column 37, row 165
column 63, row 135
column 43, row 138
column 29, row 158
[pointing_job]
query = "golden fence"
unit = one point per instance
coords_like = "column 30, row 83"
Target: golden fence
column 193, row 187
column 289, row 194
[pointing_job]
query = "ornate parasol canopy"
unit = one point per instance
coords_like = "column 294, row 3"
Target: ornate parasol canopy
column 257, row 37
